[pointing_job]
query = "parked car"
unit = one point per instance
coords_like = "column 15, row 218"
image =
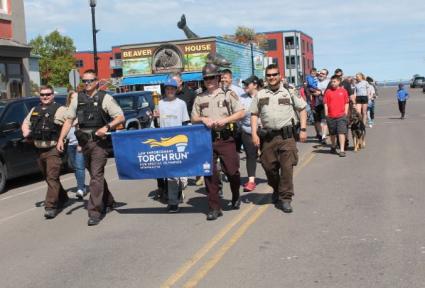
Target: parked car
column 417, row 82
column 137, row 107
column 17, row 156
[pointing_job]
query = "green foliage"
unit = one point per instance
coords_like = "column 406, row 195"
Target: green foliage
column 56, row 52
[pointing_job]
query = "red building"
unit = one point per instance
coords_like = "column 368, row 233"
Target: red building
column 293, row 51
column 84, row 61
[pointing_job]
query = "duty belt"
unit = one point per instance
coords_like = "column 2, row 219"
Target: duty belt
column 285, row 132
column 221, row 135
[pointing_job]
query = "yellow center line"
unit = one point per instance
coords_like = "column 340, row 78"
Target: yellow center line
column 201, row 273
column 205, row 249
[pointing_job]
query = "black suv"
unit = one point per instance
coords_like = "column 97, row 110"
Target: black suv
column 417, row 82
column 17, row 157
column 137, row 107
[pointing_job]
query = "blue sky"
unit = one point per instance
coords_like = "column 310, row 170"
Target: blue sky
column 384, row 39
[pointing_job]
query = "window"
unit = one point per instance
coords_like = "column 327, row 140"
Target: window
column 289, row 42
column 117, row 56
column 142, row 100
column 303, row 44
column 14, row 69
column 126, row 103
column 271, row 45
column 16, row 114
column 79, row 63
column 275, row 61
column 290, row 62
column 4, row 9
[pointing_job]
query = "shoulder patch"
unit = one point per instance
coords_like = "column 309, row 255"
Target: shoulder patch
column 234, row 95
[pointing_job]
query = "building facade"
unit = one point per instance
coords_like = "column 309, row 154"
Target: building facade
column 14, row 50
column 84, row 60
column 293, row 51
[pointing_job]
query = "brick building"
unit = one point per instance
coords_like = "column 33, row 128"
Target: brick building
column 14, row 50
column 84, row 61
column 293, row 51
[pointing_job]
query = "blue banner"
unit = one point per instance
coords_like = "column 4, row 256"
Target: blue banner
column 163, row 152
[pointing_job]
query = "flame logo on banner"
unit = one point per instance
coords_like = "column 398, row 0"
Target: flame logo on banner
column 167, row 142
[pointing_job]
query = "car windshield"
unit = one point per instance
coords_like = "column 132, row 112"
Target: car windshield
column 126, row 103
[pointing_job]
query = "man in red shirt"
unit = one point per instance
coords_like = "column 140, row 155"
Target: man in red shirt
column 336, row 108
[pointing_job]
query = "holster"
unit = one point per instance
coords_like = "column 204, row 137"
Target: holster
column 268, row 134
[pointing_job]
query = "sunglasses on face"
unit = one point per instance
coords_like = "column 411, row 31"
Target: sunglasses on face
column 45, row 94
column 88, row 81
column 272, row 75
column 209, row 78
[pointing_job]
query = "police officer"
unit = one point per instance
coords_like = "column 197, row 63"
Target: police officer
column 43, row 125
column 97, row 114
column 275, row 105
column 219, row 110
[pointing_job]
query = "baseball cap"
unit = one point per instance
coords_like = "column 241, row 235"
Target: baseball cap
column 170, row 83
column 252, row 79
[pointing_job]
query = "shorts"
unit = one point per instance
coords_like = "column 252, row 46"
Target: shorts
column 337, row 125
column 362, row 100
column 319, row 113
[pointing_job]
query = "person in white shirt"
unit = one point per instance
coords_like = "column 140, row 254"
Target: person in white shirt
column 172, row 112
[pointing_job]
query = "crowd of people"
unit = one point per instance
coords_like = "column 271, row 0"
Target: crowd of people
column 263, row 120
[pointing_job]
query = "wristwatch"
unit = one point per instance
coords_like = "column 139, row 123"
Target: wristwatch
column 303, row 129
column 109, row 127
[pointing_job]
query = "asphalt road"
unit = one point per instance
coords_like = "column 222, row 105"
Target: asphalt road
column 358, row 222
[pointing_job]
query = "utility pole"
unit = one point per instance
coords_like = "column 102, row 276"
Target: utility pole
column 94, row 31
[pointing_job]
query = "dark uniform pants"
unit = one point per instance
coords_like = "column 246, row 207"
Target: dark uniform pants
column 278, row 157
column 96, row 155
column 50, row 163
column 225, row 150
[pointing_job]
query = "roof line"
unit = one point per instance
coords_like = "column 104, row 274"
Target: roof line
column 285, row 31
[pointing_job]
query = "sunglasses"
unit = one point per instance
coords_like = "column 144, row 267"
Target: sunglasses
column 208, row 78
column 272, row 75
column 45, row 94
column 88, row 81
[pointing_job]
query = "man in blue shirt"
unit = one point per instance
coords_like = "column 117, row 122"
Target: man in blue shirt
column 402, row 97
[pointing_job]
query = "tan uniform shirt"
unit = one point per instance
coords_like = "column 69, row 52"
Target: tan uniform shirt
column 275, row 108
column 213, row 105
column 59, row 120
column 109, row 105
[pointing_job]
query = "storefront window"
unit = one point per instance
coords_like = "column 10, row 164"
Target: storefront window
column 3, row 83
column 14, row 69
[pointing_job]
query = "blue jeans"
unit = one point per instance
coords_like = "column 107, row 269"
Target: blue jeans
column 76, row 160
column 371, row 111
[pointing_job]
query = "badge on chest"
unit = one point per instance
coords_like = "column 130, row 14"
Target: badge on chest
column 284, row 101
column 222, row 104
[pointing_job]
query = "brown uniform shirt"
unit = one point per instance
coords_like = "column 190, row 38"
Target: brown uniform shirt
column 109, row 105
column 216, row 105
column 59, row 120
column 275, row 108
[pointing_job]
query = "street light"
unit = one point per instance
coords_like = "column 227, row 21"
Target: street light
column 94, row 30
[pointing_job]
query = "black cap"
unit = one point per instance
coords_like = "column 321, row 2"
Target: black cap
column 252, row 79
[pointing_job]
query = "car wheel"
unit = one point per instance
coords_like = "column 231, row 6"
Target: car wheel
column 3, row 177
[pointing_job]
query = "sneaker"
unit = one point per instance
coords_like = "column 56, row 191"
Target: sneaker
column 80, row 194
column 50, row 213
column 199, row 181
column 341, row 154
column 249, row 186
column 173, row 208
column 370, row 125
column 333, row 150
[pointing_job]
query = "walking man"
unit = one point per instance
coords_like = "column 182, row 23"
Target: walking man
column 97, row 114
column 43, row 125
column 276, row 107
column 219, row 111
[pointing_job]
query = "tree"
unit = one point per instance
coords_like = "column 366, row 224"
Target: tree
column 248, row 35
column 56, row 52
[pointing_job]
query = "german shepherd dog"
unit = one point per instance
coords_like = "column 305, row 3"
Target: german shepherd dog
column 358, row 130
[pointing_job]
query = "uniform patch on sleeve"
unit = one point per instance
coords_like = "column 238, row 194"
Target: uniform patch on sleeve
column 234, row 95
column 204, row 105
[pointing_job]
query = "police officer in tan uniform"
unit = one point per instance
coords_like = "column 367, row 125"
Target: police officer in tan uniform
column 43, row 125
column 219, row 110
column 275, row 105
column 97, row 113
